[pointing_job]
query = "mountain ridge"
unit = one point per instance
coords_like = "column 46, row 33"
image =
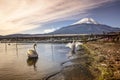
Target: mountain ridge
column 85, row 29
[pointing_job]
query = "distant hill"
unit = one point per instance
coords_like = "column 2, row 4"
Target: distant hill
column 18, row 35
column 24, row 35
column 86, row 26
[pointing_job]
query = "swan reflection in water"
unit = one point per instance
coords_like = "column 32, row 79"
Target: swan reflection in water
column 32, row 62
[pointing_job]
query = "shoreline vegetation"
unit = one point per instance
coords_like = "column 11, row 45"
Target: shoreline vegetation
column 96, row 60
column 106, row 58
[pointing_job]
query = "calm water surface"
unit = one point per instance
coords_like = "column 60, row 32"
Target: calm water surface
column 15, row 65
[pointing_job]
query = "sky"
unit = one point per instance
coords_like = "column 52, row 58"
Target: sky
column 43, row 16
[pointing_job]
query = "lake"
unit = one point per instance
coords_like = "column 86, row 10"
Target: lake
column 15, row 65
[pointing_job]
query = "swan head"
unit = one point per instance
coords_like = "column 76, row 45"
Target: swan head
column 34, row 45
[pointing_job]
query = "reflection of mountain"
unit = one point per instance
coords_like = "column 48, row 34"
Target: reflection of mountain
column 32, row 62
column 86, row 26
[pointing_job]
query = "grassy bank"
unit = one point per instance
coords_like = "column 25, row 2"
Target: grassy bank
column 106, row 59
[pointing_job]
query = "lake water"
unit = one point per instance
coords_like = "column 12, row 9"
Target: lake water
column 15, row 65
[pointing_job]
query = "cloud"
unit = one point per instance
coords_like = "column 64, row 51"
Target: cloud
column 49, row 30
column 21, row 15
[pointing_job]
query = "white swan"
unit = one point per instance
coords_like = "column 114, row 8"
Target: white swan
column 32, row 52
column 77, row 45
column 74, row 46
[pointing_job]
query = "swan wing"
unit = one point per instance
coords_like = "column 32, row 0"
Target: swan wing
column 32, row 53
column 69, row 45
column 78, row 44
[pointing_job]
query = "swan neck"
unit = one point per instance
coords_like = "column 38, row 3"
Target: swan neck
column 34, row 47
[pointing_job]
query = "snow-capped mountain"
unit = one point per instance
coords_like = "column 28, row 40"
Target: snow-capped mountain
column 86, row 21
column 86, row 26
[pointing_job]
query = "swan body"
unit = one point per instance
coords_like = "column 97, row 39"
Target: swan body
column 73, row 46
column 77, row 45
column 32, row 52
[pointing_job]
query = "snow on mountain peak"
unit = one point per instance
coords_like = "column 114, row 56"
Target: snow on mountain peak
column 87, row 21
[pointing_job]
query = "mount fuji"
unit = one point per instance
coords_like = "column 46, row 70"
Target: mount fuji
column 86, row 20
column 86, row 26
